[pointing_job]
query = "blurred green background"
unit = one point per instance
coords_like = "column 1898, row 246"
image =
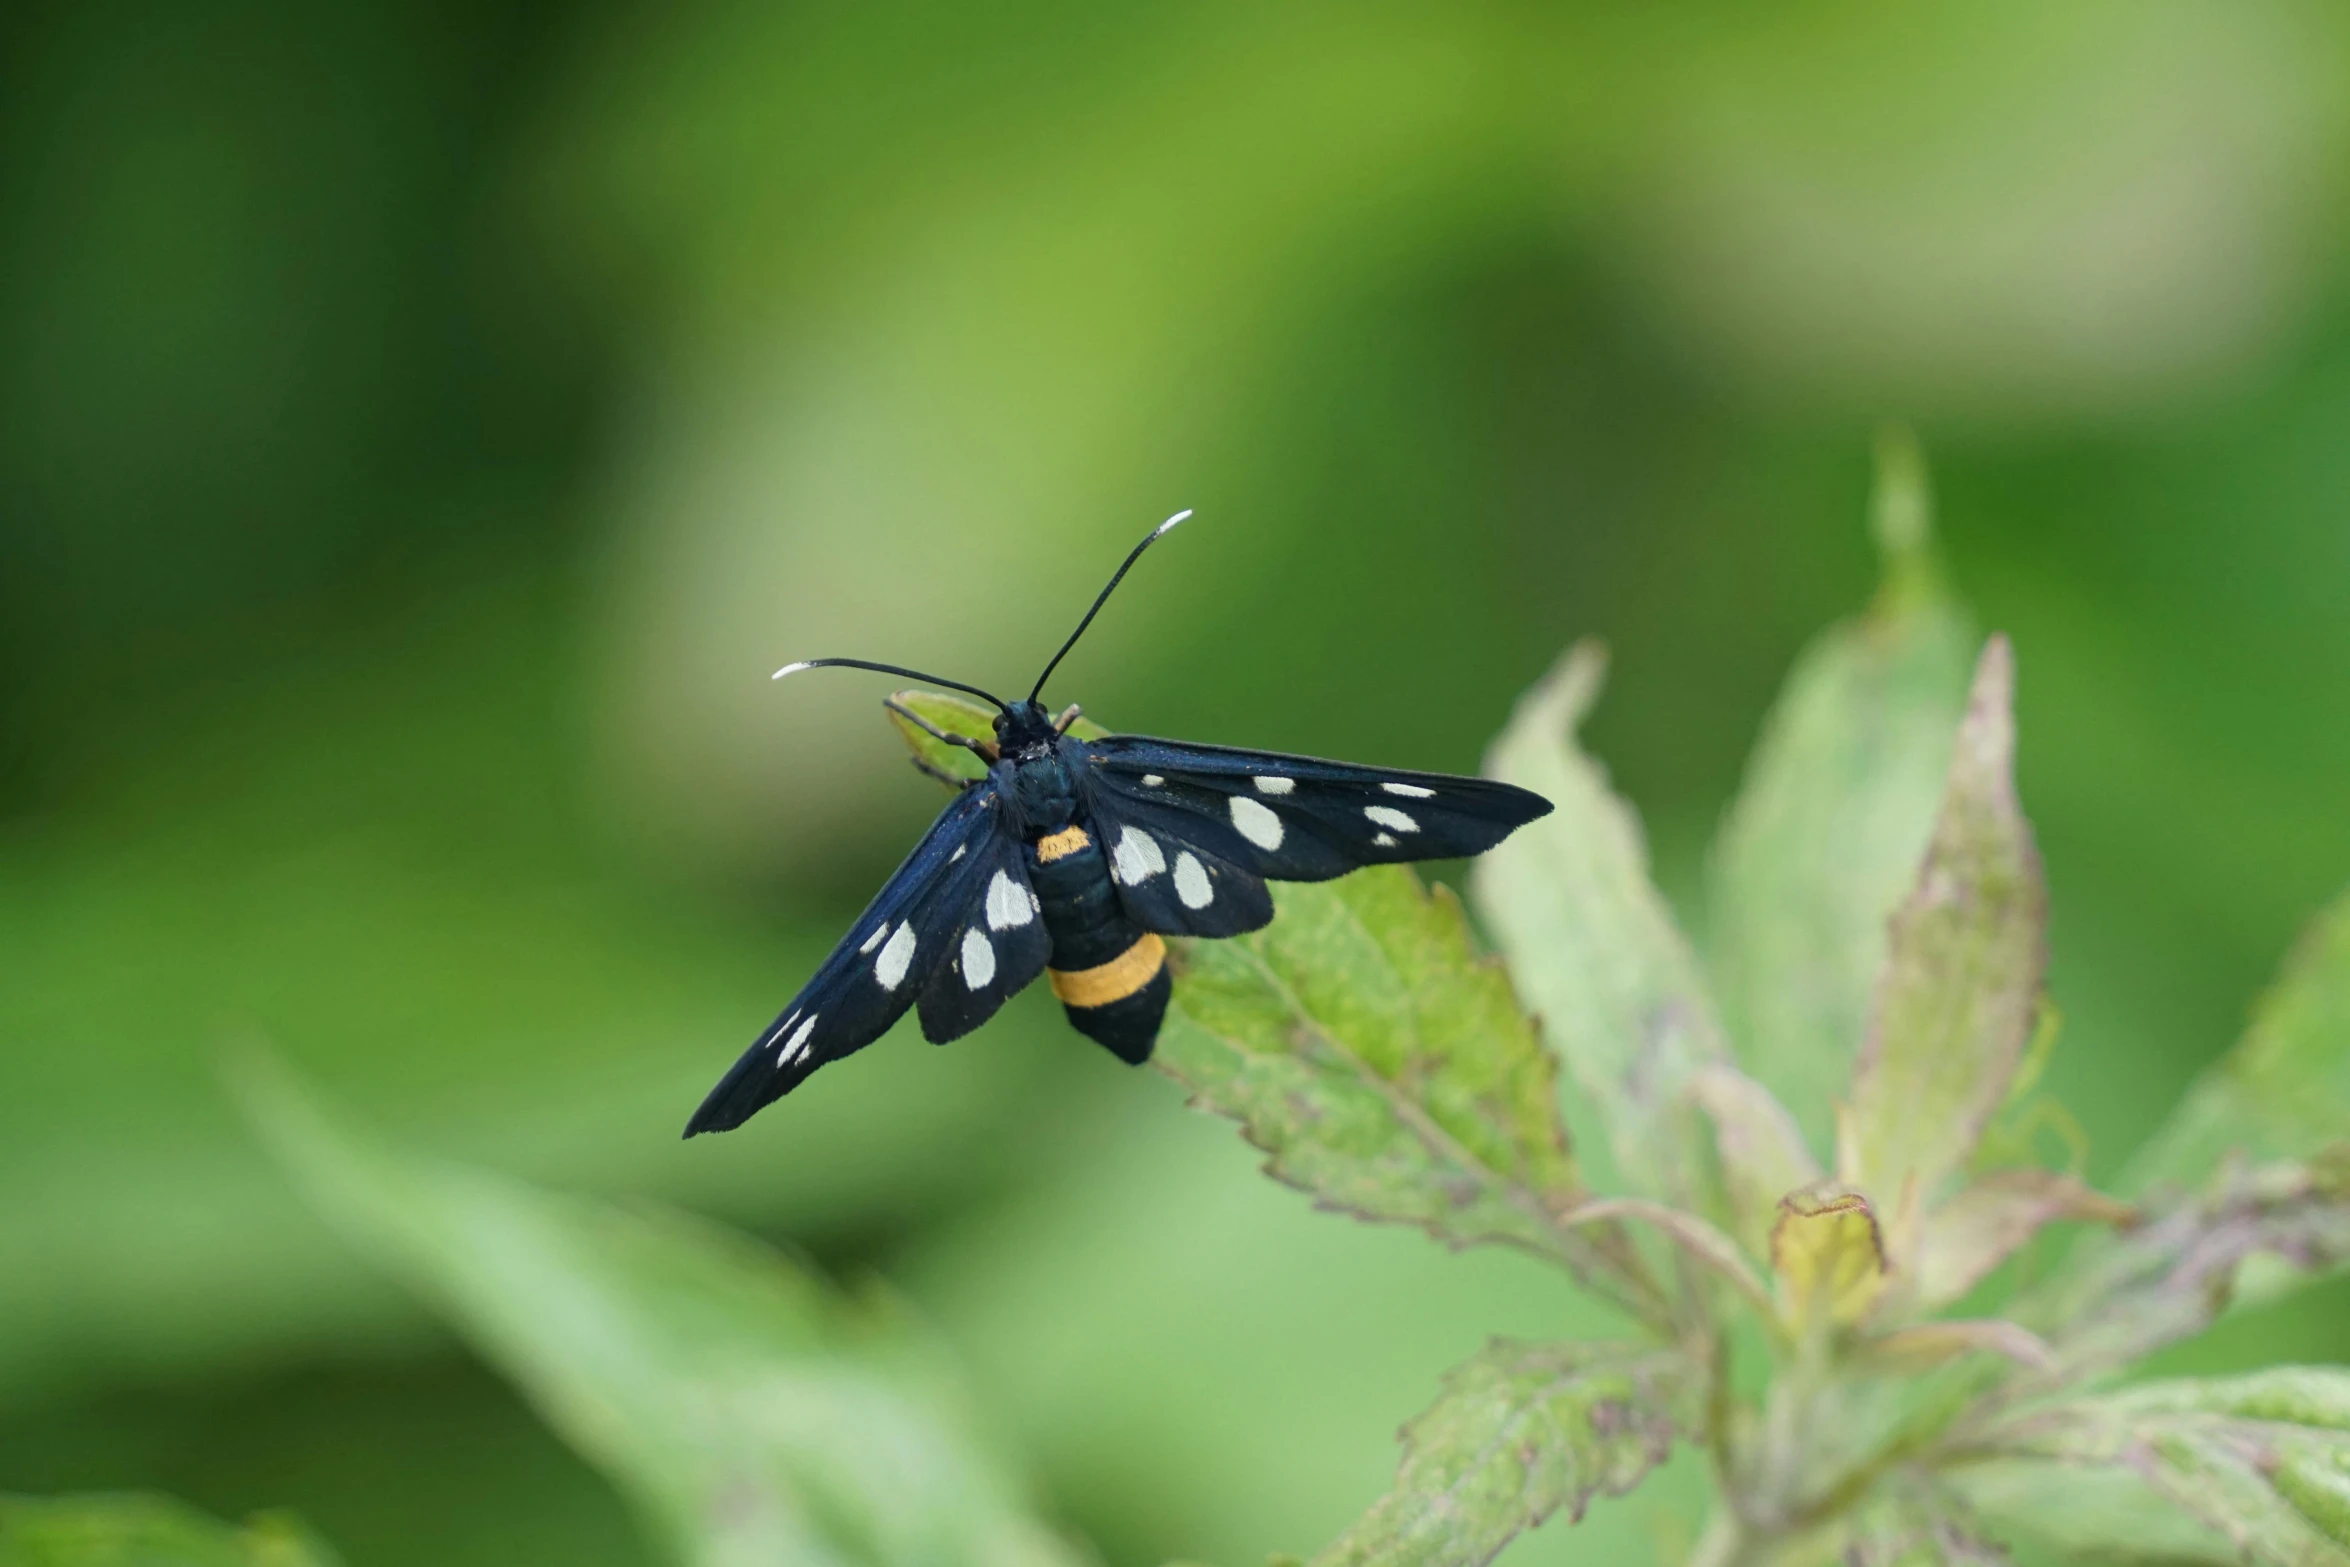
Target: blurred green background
column 424, row 426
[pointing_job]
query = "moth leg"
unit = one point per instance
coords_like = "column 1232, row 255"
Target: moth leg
column 941, row 774
column 1068, row 716
column 984, row 748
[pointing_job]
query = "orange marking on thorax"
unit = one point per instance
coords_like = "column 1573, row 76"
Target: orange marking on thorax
column 1060, row 845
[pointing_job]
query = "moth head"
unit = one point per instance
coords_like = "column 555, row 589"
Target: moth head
column 1023, row 726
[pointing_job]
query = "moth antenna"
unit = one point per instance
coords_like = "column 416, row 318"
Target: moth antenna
column 1127, row 565
column 889, row 669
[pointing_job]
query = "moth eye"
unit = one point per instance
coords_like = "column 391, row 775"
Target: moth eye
column 1389, row 816
column 1257, row 824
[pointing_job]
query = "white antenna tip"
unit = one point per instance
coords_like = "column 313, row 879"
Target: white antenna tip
column 790, row 669
column 1171, row 521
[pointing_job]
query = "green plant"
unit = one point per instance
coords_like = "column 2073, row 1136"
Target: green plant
column 1805, row 1169
column 1810, row 1155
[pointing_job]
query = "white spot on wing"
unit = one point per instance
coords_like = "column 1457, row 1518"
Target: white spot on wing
column 874, row 940
column 961, row 849
column 978, row 960
column 1191, row 881
column 1409, row 791
column 1274, row 785
column 1389, row 816
column 798, row 1042
column 1257, row 824
column 1137, row 858
column 1008, row 903
column 897, row 955
column 1152, row 781
column 1385, row 840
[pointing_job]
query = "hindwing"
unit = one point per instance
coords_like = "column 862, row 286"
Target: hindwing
column 998, row 946
column 1295, row 818
column 911, row 931
column 1173, row 877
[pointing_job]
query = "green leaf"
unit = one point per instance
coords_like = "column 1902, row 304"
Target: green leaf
column 957, row 715
column 1829, row 1255
column 1591, row 943
column 1955, row 1004
column 751, row 1412
column 145, row 1531
column 2076, row 1511
column 1925, row 1345
column 2174, row 1273
column 2284, row 1091
column 1916, row 1526
column 1758, row 1149
column 1387, row 1069
column 1829, row 826
column 1522, row 1431
column 1984, row 1222
column 2263, row 1459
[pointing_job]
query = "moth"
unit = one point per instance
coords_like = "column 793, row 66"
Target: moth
column 1075, row 857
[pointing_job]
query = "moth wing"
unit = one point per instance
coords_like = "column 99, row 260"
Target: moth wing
column 997, row 946
column 879, row 967
column 1173, row 878
column 1299, row 818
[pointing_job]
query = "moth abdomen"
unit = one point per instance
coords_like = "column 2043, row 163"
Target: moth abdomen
column 1120, row 1004
column 1109, row 973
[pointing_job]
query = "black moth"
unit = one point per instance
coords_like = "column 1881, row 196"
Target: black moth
column 1072, row 858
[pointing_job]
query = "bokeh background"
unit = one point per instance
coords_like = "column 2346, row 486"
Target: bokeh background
column 424, row 426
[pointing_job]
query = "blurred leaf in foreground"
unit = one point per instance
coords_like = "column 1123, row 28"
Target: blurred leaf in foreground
column 145, row 1531
column 1955, row 1004
column 1522, row 1431
column 2263, row 1459
column 2284, row 1092
column 1590, row 942
column 753, row 1413
column 1387, row 1069
column 1833, row 817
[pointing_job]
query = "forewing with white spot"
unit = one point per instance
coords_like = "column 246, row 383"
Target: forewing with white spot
column 911, row 933
column 1286, row 818
column 1000, row 947
column 1170, row 875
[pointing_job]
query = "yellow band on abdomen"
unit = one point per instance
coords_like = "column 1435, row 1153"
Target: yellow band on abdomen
column 1060, row 845
column 1115, row 980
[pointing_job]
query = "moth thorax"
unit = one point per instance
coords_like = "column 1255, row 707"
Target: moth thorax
column 1046, row 795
